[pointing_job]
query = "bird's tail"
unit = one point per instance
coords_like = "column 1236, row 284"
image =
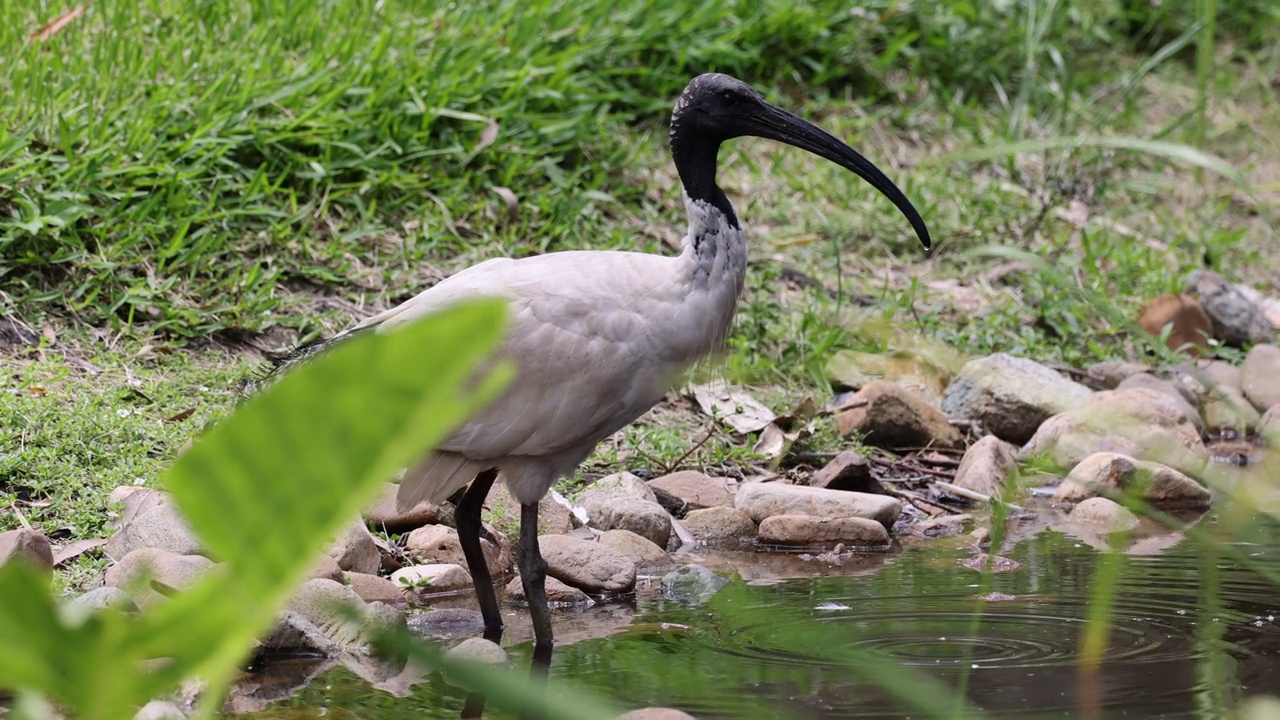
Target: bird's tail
column 276, row 366
column 436, row 477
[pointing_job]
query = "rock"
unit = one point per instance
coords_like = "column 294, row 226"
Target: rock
column 645, row 518
column 446, row 622
column 1219, row 374
column 372, row 588
column 640, row 550
column 326, row 567
column 160, row 710
column 1236, row 319
column 944, row 526
column 1260, row 376
column 384, row 515
column 587, row 565
column 986, row 465
column 622, row 484
column 1108, row 375
column 660, row 713
column 27, row 546
column 356, row 550
column 558, row 594
column 439, row 544
column 328, row 605
column 1104, row 512
column 1175, row 391
column 846, row 471
column 720, row 525
column 294, row 634
column 503, row 512
column 805, row 531
column 157, row 524
column 1227, row 407
column 1189, row 325
column 1010, row 395
column 478, row 650
column 698, row 491
column 1159, row 485
column 432, row 578
column 105, row 597
column 1268, row 427
column 763, row 500
column 159, row 567
column 889, row 416
column 692, row 584
column 1136, row 422
column 922, row 375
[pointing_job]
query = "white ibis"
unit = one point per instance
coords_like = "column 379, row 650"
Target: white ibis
column 597, row 338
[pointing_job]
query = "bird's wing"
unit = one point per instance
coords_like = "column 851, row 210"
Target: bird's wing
column 589, row 335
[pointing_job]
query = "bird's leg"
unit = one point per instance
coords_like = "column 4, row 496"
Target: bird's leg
column 533, row 575
column 467, row 518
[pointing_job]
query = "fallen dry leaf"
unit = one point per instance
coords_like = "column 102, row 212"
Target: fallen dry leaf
column 734, row 408
column 36, row 390
column 509, row 198
column 487, row 136
column 49, row 30
column 179, row 417
column 75, row 549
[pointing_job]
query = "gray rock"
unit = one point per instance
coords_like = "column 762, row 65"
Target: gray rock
column 691, row 584
column 1227, row 407
column 656, row 713
column 1175, row 391
column 160, row 710
column 846, row 471
column 807, row 531
column 439, row 544
column 945, row 526
column 559, row 595
column 503, row 511
column 889, row 416
column 986, row 466
column 645, row 518
column 622, row 484
column 27, row 546
column 1108, row 375
column 1136, row 422
column 720, row 525
column 433, row 578
column 763, row 500
column 446, row 622
column 642, row 551
column 1158, row 485
column 141, row 571
column 356, row 550
column 295, row 634
column 326, row 567
column 1268, row 427
column 1103, row 512
column 698, row 491
column 329, row 606
column 1011, row 396
column 478, row 650
column 1236, row 319
column 587, row 565
column 105, row 597
column 1260, row 376
column 372, row 588
column 157, row 524
column 383, row 514
column 1218, row 373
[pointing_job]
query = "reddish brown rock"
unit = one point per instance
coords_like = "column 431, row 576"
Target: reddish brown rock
column 721, row 525
column 807, row 531
column 986, row 466
column 698, row 491
column 888, row 416
column 846, row 471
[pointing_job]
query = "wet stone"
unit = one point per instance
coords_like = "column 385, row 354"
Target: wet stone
column 446, row 622
column 645, row 518
column 640, row 550
column 805, row 531
column 559, row 595
column 656, row 713
column 1161, row 486
column 478, row 650
column 763, row 500
column 587, row 565
column 945, row 526
column 1103, row 512
column 691, row 584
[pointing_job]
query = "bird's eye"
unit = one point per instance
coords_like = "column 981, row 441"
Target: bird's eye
column 729, row 97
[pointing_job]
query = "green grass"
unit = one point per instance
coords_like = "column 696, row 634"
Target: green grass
column 209, row 179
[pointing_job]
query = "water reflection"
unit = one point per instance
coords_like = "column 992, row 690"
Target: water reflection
column 1192, row 632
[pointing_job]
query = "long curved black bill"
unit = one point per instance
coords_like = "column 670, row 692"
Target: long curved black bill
column 775, row 123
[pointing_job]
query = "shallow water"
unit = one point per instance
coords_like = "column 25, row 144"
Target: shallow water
column 1191, row 634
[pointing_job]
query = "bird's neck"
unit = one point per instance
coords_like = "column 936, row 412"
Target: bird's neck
column 715, row 258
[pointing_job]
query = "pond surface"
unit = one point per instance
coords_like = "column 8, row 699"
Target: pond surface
column 1192, row 633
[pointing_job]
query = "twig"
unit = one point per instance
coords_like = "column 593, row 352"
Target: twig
column 930, row 507
column 973, row 495
column 21, row 518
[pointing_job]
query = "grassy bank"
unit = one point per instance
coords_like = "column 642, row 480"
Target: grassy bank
column 183, row 184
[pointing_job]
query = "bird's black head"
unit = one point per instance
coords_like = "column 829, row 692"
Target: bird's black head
column 714, row 108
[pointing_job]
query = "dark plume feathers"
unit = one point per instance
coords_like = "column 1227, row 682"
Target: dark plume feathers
column 276, row 366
